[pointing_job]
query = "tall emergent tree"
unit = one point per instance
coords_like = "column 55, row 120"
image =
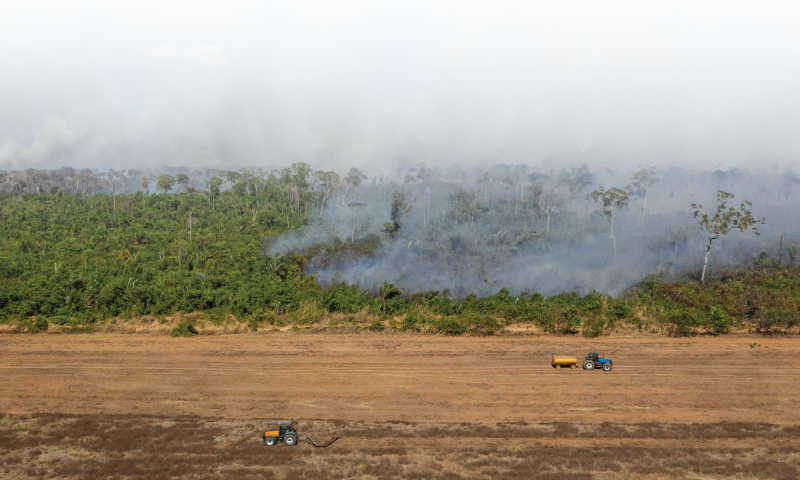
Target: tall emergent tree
column 724, row 221
column 547, row 199
column 606, row 203
column 330, row 183
column 185, row 181
column 145, row 184
column 640, row 187
column 214, row 186
column 165, row 184
column 399, row 207
column 111, row 177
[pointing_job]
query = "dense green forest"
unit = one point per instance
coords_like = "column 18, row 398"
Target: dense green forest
column 98, row 256
column 77, row 259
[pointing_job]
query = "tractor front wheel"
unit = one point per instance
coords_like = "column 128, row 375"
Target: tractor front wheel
column 290, row 440
column 588, row 366
column 607, row 367
column 270, row 440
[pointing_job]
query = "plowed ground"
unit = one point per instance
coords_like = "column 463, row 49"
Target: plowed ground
column 409, row 406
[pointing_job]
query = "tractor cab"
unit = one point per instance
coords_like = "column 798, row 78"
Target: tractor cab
column 285, row 433
column 594, row 360
column 285, row 427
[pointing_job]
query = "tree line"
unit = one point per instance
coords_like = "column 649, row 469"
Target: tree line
column 75, row 254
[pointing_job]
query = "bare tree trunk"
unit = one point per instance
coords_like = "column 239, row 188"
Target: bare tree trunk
column 428, row 207
column 708, row 249
column 516, row 200
column 613, row 238
column 644, row 207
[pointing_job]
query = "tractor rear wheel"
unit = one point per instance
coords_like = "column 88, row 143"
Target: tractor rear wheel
column 607, row 367
column 270, row 440
column 290, row 440
column 588, row 366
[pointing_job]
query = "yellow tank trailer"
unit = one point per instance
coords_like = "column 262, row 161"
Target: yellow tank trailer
column 559, row 362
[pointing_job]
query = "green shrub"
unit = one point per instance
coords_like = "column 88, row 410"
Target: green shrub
column 377, row 326
column 62, row 320
column 184, row 329
column 763, row 260
column 564, row 319
column 482, row 324
column 258, row 319
column 772, row 318
column 346, row 299
column 720, row 323
column 253, row 324
column 449, row 326
column 593, row 326
column 35, row 325
column 682, row 322
column 618, row 309
column 411, row 322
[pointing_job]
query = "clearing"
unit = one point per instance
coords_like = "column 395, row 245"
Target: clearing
column 409, row 406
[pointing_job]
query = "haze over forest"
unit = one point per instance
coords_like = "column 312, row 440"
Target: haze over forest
column 496, row 124
column 379, row 86
column 468, row 230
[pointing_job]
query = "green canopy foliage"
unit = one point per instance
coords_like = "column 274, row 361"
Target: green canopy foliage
column 77, row 259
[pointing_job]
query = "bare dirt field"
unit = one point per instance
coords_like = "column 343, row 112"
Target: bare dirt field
column 377, row 378
column 91, row 406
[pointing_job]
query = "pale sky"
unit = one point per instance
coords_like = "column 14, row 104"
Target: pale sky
column 379, row 84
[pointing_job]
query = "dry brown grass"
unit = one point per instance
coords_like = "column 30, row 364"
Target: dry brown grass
column 127, row 446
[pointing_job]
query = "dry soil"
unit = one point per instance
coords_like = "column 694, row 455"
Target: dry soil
column 378, row 378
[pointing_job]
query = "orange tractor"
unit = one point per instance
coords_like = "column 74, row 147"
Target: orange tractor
column 287, row 434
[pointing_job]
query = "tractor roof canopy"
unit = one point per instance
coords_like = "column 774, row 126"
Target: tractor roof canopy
column 285, row 423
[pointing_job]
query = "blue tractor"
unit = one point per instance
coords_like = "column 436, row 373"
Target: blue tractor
column 593, row 361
